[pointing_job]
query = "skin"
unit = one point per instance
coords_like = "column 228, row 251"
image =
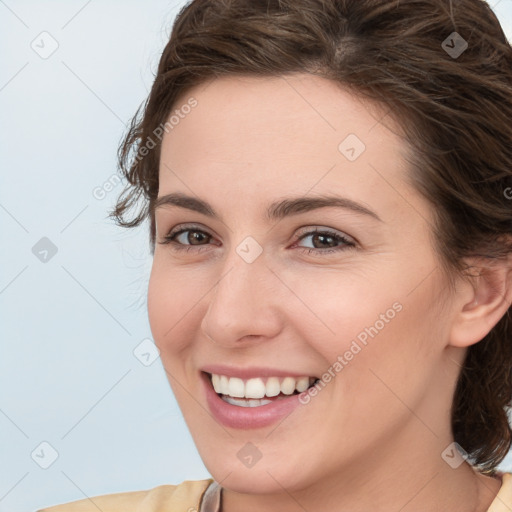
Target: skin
column 372, row 439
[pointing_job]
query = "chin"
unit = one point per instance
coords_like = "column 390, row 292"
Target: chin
column 247, row 481
column 269, row 478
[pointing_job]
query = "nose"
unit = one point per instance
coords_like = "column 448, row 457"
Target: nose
column 244, row 304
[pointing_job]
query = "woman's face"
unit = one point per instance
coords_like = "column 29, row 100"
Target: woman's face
column 251, row 293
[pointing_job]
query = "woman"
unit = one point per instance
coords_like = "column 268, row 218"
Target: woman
column 329, row 184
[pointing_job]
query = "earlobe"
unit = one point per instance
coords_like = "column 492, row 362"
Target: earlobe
column 483, row 302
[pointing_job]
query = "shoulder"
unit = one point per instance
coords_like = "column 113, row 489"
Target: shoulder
column 182, row 497
column 503, row 501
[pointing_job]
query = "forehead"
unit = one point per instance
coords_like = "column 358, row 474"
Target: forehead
column 278, row 119
column 287, row 134
column 276, row 111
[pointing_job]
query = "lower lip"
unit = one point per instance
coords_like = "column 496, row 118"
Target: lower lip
column 235, row 416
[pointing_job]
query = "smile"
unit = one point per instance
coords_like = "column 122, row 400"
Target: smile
column 257, row 391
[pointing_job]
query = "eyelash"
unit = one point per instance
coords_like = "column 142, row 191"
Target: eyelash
column 348, row 244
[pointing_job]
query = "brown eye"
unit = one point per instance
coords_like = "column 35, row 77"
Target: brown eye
column 326, row 241
column 192, row 237
column 186, row 237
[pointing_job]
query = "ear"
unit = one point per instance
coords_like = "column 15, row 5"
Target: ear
column 482, row 301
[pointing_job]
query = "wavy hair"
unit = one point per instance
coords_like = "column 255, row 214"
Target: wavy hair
column 453, row 103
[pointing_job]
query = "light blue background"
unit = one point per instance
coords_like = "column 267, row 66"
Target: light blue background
column 68, row 374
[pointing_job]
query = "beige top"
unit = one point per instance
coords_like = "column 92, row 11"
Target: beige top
column 202, row 496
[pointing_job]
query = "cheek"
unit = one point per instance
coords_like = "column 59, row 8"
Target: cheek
column 174, row 301
column 386, row 364
column 360, row 325
column 336, row 308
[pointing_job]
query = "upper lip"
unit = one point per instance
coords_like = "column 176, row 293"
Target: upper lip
column 251, row 371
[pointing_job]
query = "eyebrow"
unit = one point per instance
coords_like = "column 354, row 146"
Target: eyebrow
column 276, row 210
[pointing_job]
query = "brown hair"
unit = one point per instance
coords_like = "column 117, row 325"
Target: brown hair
column 455, row 110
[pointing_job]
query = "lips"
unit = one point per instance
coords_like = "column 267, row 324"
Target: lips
column 252, row 398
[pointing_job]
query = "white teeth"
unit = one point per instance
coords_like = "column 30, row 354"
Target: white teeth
column 236, row 387
column 288, row 386
column 241, row 402
column 302, row 384
column 273, row 388
column 224, row 385
column 255, row 389
column 216, row 383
